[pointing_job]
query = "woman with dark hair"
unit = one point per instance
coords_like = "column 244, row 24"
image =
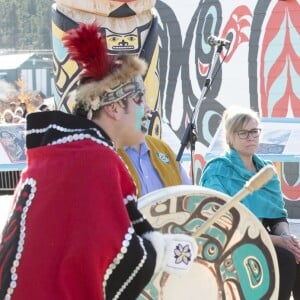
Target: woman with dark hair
column 24, row 107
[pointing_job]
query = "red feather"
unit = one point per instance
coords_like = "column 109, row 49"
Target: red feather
column 86, row 46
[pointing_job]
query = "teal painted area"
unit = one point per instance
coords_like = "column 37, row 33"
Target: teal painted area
column 60, row 50
column 193, row 202
column 274, row 49
column 252, row 270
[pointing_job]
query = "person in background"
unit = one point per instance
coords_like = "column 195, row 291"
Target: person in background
column 19, row 112
column 24, row 107
column 8, row 116
column 17, row 119
column 43, row 107
column 229, row 173
column 80, row 235
column 150, row 160
column 13, row 106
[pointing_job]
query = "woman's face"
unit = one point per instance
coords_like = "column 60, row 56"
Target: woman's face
column 246, row 140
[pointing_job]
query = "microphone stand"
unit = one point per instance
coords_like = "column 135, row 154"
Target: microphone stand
column 190, row 136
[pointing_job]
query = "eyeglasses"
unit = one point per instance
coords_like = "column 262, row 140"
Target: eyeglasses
column 244, row 134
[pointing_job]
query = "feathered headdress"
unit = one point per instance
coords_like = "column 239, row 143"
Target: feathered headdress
column 104, row 78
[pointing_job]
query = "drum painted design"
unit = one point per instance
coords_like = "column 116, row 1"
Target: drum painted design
column 236, row 258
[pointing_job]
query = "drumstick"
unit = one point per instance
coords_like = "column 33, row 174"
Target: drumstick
column 255, row 183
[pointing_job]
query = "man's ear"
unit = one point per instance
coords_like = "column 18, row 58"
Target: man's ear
column 112, row 110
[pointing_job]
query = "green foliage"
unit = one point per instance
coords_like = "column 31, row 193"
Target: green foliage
column 25, row 24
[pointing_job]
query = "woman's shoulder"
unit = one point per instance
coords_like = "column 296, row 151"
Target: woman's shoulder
column 220, row 161
column 218, row 165
column 261, row 162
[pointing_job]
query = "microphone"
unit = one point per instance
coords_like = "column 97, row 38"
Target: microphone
column 216, row 41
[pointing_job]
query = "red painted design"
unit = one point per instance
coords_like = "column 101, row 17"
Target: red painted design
column 203, row 68
column 279, row 61
column 237, row 28
column 290, row 192
column 200, row 159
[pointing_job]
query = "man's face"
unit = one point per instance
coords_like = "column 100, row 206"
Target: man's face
column 142, row 113
column 135, row 120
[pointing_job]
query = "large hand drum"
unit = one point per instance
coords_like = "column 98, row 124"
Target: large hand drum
column 236, row 258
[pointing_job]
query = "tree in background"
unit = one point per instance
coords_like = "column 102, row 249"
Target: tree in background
column 31, row 99
column 25, row 24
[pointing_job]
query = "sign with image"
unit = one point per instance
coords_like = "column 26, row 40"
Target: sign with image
column 12, row 146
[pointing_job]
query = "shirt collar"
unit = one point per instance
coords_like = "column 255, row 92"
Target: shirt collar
column 144, row 148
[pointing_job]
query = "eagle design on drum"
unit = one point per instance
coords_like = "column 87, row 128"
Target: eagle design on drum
column 236, row 259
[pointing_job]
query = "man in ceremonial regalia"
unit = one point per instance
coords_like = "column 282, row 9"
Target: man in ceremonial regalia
column 75, row 231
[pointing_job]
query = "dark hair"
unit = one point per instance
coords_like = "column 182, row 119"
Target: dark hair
column 43, row 106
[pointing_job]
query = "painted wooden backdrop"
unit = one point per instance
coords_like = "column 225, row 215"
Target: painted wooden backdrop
column 260, row 69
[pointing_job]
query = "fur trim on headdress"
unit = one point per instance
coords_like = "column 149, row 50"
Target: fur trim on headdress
column 105, row 78
column 130, row 67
